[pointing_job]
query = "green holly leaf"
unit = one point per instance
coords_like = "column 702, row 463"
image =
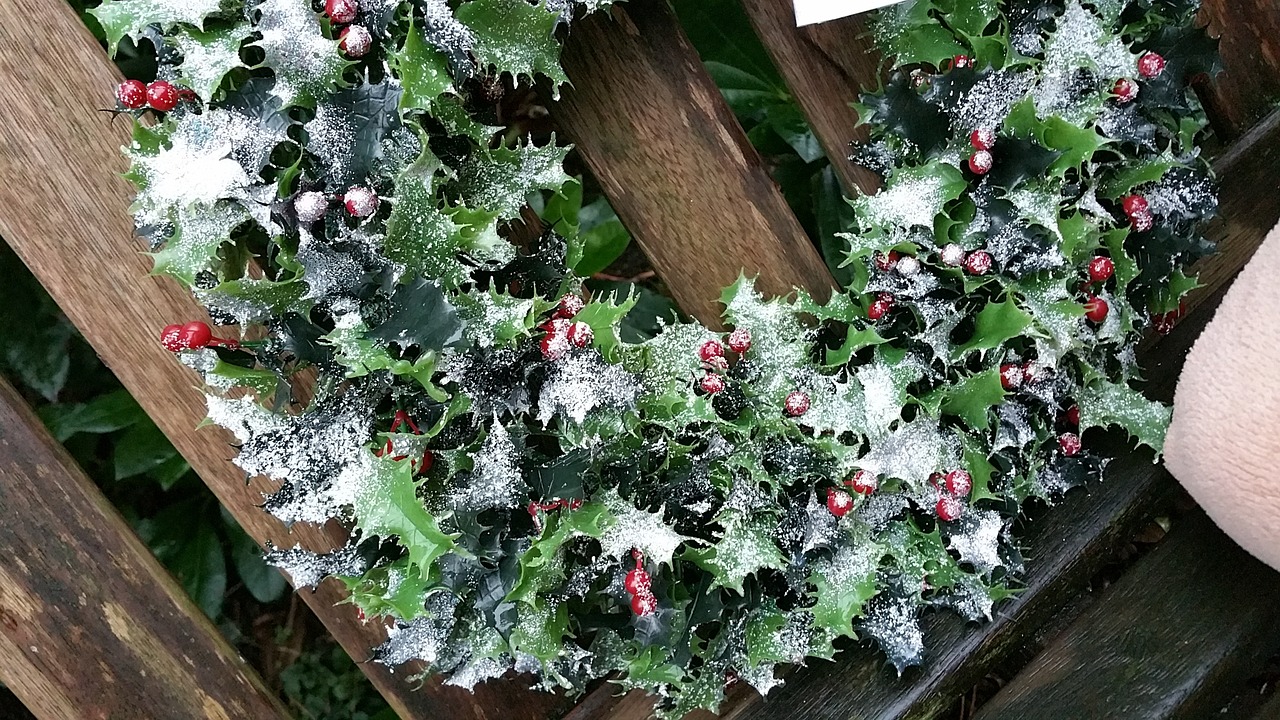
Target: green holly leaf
column 384, row 499
column 119, row 18
column 1133, row 174
column 262, row 381
column 996, row 324
column 515, row 37
column 1018, row 160
column 978, row 464
column 913, row 197
column 307, row 64
column 394, row 590
column 198, row 234
column 494, row 318
column 423, row 240
column 354, row 129
column 745, row 547
column 605, row 318
column 421, row 316
column 855, row 339
column 1076, row 143
column 972, row 398
column 501, row 179
column 539, row 566
column 253, row 300
column 1103, row 403
column 423, row 72
column 969, row 17
column 207, row 57
column 541, row 629
column 844, row 583
column 910, row 35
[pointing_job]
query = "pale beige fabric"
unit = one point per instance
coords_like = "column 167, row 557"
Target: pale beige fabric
column 1224, row 445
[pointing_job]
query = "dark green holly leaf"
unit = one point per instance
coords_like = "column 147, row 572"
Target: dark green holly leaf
column 515, row 37
column 1018, row 160
column 420, row 317
column 1104, row 403
column 352, row 130
column 901, row 110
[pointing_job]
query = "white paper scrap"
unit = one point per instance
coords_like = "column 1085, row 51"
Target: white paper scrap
column 809, row 12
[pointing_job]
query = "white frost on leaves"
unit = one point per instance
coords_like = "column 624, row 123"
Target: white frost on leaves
column 246, row 419
column 582, row 382
column 421, row 639
column 1180, row 195
column 971, row 599
column 835, row 406
column 478, row 670
column 1039, row 202
column 196, row 169
column 495, row 480
column 895, row 626
column 206, row 60
column 778, row 350
column 884, row 390
column 1015, row 428
column 303, row 59
column 307, row 569
column 760, row 677
column 1081, row 41
column 640, row 529
column 203, row 361
column 331, row 135
column 909, row 201
column 940, row 318
column 988, row 102
column 976, row 538
column 489, row 316
column 672, row 357
column 910, row 453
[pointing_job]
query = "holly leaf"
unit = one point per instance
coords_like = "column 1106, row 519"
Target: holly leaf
column 1018, row 160
column 910, row 35
column 969, row 17
column 1103, row 403
column 423, row 72
column 306, row 64
column 516, row 37
column 500, row 179
column 745, row 547
column 538, row 568
column 420, row 238
column 901, row 110
column 972, row 398
column 119, row 18
column 562, row 478
column 605, row 318
column 352, row 130
column 420, row 317
column 208, row 56
column 1076, row 143
column 844, row 584
column 996, row 324
column 198, row 234
column 494, row 319
column 384, row 499
column 540, row 630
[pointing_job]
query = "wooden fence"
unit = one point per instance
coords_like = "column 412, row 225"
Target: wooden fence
column 91, row 627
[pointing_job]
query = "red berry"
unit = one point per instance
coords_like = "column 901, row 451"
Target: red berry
column 580, row 334
column 740, row 340
column 644, row 604
column 638, row 582
column 570, row 305
column 1125, row 90
column 961, row 61
column 555, row 344
column 1142, row 222
column 979, row 262
column 355, row 41
column 428, row 459
column 360, row 202
column 863, row 482
column 949, row 508
column 1073, row 415
column 1011, row 376
column 796, row 404
column 1165, row 323
column 1070, row 444
column 1031, row 372
column 959, row 483
column 162, row 96
column 131, row 94
column 1150, row 65
column 936, row 480
column 886, row 261
column 712, row 384
column 879, row 309
column 952, row 254
column 710, row 350
column 195, row 335
column 1096, row 309
column 981, row 162
column 310, row 206
column 1101, row 269
column 341, row 11
column 839, row 502
column 171, row 338
column 983, row 139
column 1135, row 205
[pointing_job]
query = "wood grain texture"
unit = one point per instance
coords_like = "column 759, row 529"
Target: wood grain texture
column 1249, row 34
column 825, row 66
column 91, row 625
column 64, row 210
column 1270, row 711
column 674, row 162
column 1174, row 638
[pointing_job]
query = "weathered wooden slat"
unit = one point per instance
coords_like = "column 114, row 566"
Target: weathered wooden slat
column 63, row 208
column 825, row 66
column 674, row 162
column 1270, row 711
column 1173, row 638
column 91, row 625
column 1249, row 31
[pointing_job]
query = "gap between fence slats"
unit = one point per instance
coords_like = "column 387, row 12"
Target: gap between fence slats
column 675, row 163
column 91, row 625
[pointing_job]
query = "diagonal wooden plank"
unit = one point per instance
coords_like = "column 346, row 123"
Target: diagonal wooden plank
column 825, row 66
column 1249, row 34
column 63, row 208
column 1173, row 638
column 674, row 162
column 91, row 625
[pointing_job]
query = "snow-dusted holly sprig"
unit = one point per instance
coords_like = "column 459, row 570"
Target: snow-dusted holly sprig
column 529, row 492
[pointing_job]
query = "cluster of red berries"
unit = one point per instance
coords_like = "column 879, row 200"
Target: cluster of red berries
column 1126, row 89
column 402, row 418
column 157, row 95
column 978, row 262
column 640, row 585
column 711, row 353
column 1165, row 322
column 192, row 336
column 881, row 306
column 953, row 489
column 982, row 140
column 562, row 333
column 1015, row 375
column 840, row 502
column 360, row 202
column 1070, row 441
column 354, row 40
